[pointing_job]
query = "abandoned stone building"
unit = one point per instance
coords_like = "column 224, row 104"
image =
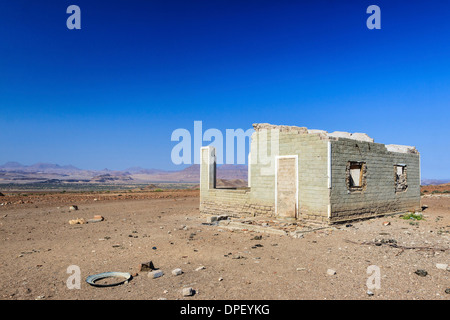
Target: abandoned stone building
column 316, row 176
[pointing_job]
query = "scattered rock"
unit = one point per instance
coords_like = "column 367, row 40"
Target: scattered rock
column 331, row 272
column 421, row 273
column 73, row 208
column 177, row 271
column 256, row 238
column 447, row 291
column 385, row 241
column 188, row 292
column 211, row 219
column 147, row 266
column 442, row 266
column 155, row 274
column 386, row 223
column 200, row 268
column 1, row 194
column 77, row 221
column 97, row 218
column 220, row 279
column 369, row 293
column 296, row 235
column 300, row 269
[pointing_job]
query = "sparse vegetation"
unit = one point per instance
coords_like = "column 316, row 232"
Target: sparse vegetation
column 412, row 216
column 440, row 191
column 88, row 187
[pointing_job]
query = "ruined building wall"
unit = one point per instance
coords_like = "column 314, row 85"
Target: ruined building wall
column 377, row 193
column 311, row 150
column 259, row 198
column 219, row 201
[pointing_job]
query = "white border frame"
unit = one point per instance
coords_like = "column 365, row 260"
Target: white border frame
column 295, row 156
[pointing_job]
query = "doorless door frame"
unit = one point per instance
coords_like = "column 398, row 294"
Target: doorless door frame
column 277, row 158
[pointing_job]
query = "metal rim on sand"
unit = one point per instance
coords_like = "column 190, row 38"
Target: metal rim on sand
column 93, row 278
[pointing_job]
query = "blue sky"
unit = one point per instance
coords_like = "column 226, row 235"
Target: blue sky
column 110, row 94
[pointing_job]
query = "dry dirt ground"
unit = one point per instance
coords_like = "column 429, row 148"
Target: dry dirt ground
column 39, row 245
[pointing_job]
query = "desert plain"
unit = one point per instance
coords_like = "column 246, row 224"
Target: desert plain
column 40, row 247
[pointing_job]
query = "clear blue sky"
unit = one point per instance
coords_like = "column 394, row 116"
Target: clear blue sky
column 110, row 94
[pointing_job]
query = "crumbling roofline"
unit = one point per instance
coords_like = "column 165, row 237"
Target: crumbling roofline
column 336, row 135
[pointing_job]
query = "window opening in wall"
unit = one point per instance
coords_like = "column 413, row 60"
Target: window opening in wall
column 400, row 177
column 356, row 175
column 232, row 176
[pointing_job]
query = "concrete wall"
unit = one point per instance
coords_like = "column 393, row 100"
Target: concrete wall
column 378, row 194
column 267, row 143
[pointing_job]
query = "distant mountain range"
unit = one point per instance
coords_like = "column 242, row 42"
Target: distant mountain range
column 426, row 182
column 14, row 172
column 15, row 166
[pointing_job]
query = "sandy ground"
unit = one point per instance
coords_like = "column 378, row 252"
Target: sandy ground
column 39, row 245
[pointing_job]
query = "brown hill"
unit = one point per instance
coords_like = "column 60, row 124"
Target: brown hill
column 192, row 174
column 440, row 188
column 110, row 178
column 234, row 183
column 14, row 172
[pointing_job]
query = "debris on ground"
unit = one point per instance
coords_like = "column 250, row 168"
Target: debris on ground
column 331, row 272
column 393, row 243
column 147, row 266
column 97, row 218
column 177, row 271
column 77, row 221
column 421, row 273
column 188, row 292
column 442, row 266
column 92, row 279
column 155, row 274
